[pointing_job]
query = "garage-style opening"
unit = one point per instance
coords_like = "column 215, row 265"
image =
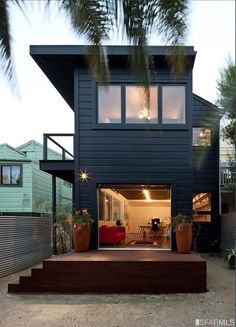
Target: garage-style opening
column 134, row 216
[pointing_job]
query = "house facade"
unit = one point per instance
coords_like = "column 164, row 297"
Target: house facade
column 24, row 188
column 134, row 161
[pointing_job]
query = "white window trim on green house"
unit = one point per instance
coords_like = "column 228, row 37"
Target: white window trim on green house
column 8, row 177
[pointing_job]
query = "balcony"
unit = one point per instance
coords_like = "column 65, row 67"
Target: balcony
column 227, row 179
column 58, row 157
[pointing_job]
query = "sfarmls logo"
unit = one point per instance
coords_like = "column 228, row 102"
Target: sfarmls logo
column 214, row 322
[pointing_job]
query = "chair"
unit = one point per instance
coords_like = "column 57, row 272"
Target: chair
column 155, row 225
column 111, row 235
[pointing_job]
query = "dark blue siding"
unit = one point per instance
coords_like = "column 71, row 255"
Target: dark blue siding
column 152, row 156
column 206, row 168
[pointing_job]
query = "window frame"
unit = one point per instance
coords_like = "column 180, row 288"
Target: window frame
column 141, row 126
column 202, row 147
column 185, row 104
column 11, row 165
column 202, row 212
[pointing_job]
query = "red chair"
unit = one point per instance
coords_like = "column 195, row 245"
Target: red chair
column 111, row 235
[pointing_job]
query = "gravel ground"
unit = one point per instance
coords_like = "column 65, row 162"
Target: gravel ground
column 175, row 310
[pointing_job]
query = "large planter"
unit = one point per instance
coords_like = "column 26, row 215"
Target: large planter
column 81, row 237
column 184, row 237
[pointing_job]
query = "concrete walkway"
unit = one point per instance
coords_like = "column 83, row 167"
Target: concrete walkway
column 123, row 310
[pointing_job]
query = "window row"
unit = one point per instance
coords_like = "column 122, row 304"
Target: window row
column 10, row 175
column 128, row 104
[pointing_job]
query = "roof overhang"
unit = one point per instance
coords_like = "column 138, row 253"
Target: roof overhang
column 58, row 62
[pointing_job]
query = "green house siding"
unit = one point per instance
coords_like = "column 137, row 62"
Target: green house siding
column 34, row 195
column 17, row 198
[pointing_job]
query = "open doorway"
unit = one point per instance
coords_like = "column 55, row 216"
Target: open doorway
column 134, row 216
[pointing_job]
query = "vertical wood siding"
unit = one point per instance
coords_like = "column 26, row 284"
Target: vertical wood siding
column 24, row 241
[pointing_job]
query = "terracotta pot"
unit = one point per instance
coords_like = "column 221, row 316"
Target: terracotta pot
column 81, row 237
column 184, row 238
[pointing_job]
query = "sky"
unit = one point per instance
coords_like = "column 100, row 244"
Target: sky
column 39, row 108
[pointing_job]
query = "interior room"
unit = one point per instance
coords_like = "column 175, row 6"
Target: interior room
column 134, row 216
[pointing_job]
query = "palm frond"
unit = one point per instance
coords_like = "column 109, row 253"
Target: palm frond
column 92, row 19
column 6, row 57
column 5, row 41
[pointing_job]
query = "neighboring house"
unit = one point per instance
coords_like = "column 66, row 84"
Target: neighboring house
column 24, row 188
column 227, row 183
column 133, row 162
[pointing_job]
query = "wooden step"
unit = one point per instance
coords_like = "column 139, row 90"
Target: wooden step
column 88, row 275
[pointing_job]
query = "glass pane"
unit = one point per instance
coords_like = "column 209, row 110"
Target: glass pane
column 137, row 110
column 173, row 104
column 202, row 202
column 201, row 137
column 6, row 175
column 109, row 104
column 108, row 207
column 15, row 175
column 101, row 206
column 116, row 210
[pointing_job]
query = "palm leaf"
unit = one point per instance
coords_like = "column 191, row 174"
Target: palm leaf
column 6, row 58
column 5, row 41
column 92, row 19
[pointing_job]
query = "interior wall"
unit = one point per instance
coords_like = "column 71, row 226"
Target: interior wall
column 140, row 213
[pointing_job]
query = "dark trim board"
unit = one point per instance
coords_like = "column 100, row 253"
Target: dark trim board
column 147, row 272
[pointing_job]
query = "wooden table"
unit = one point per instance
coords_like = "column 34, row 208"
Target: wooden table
column 143, row 230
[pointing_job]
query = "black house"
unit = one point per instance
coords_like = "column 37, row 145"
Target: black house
column 133, row 163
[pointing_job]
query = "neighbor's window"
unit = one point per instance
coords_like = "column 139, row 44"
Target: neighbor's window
column 202, row 207
column 10, row 175
column 109, row 104
column 137, row 109
column 173, row 104
column 201, row 136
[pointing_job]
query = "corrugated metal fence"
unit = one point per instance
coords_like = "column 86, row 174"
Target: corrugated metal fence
column 228, row 230
column 24, row 241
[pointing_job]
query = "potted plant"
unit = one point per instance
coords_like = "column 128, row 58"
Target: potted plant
column 230, row 257
column 81, row 230
column 182, row 227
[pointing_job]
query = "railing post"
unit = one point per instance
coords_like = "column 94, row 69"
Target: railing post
column 45, row 146
column 54, row 213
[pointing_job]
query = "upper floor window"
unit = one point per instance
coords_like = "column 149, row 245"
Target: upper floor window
column 201, row 136
column 10, row 175
column 137, row 109
column 173, row 104
column 128, row 104
column 109, row 104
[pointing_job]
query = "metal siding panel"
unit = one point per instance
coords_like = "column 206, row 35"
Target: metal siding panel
column 228, row 231
column 24, row 241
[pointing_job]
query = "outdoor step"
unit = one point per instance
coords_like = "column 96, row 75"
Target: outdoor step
column 117, row 273
column 107, row 283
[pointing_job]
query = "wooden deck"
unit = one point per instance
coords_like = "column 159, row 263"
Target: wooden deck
column 117, row 272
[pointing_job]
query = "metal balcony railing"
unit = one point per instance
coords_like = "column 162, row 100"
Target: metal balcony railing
column 64, row 154
column 227, row 178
